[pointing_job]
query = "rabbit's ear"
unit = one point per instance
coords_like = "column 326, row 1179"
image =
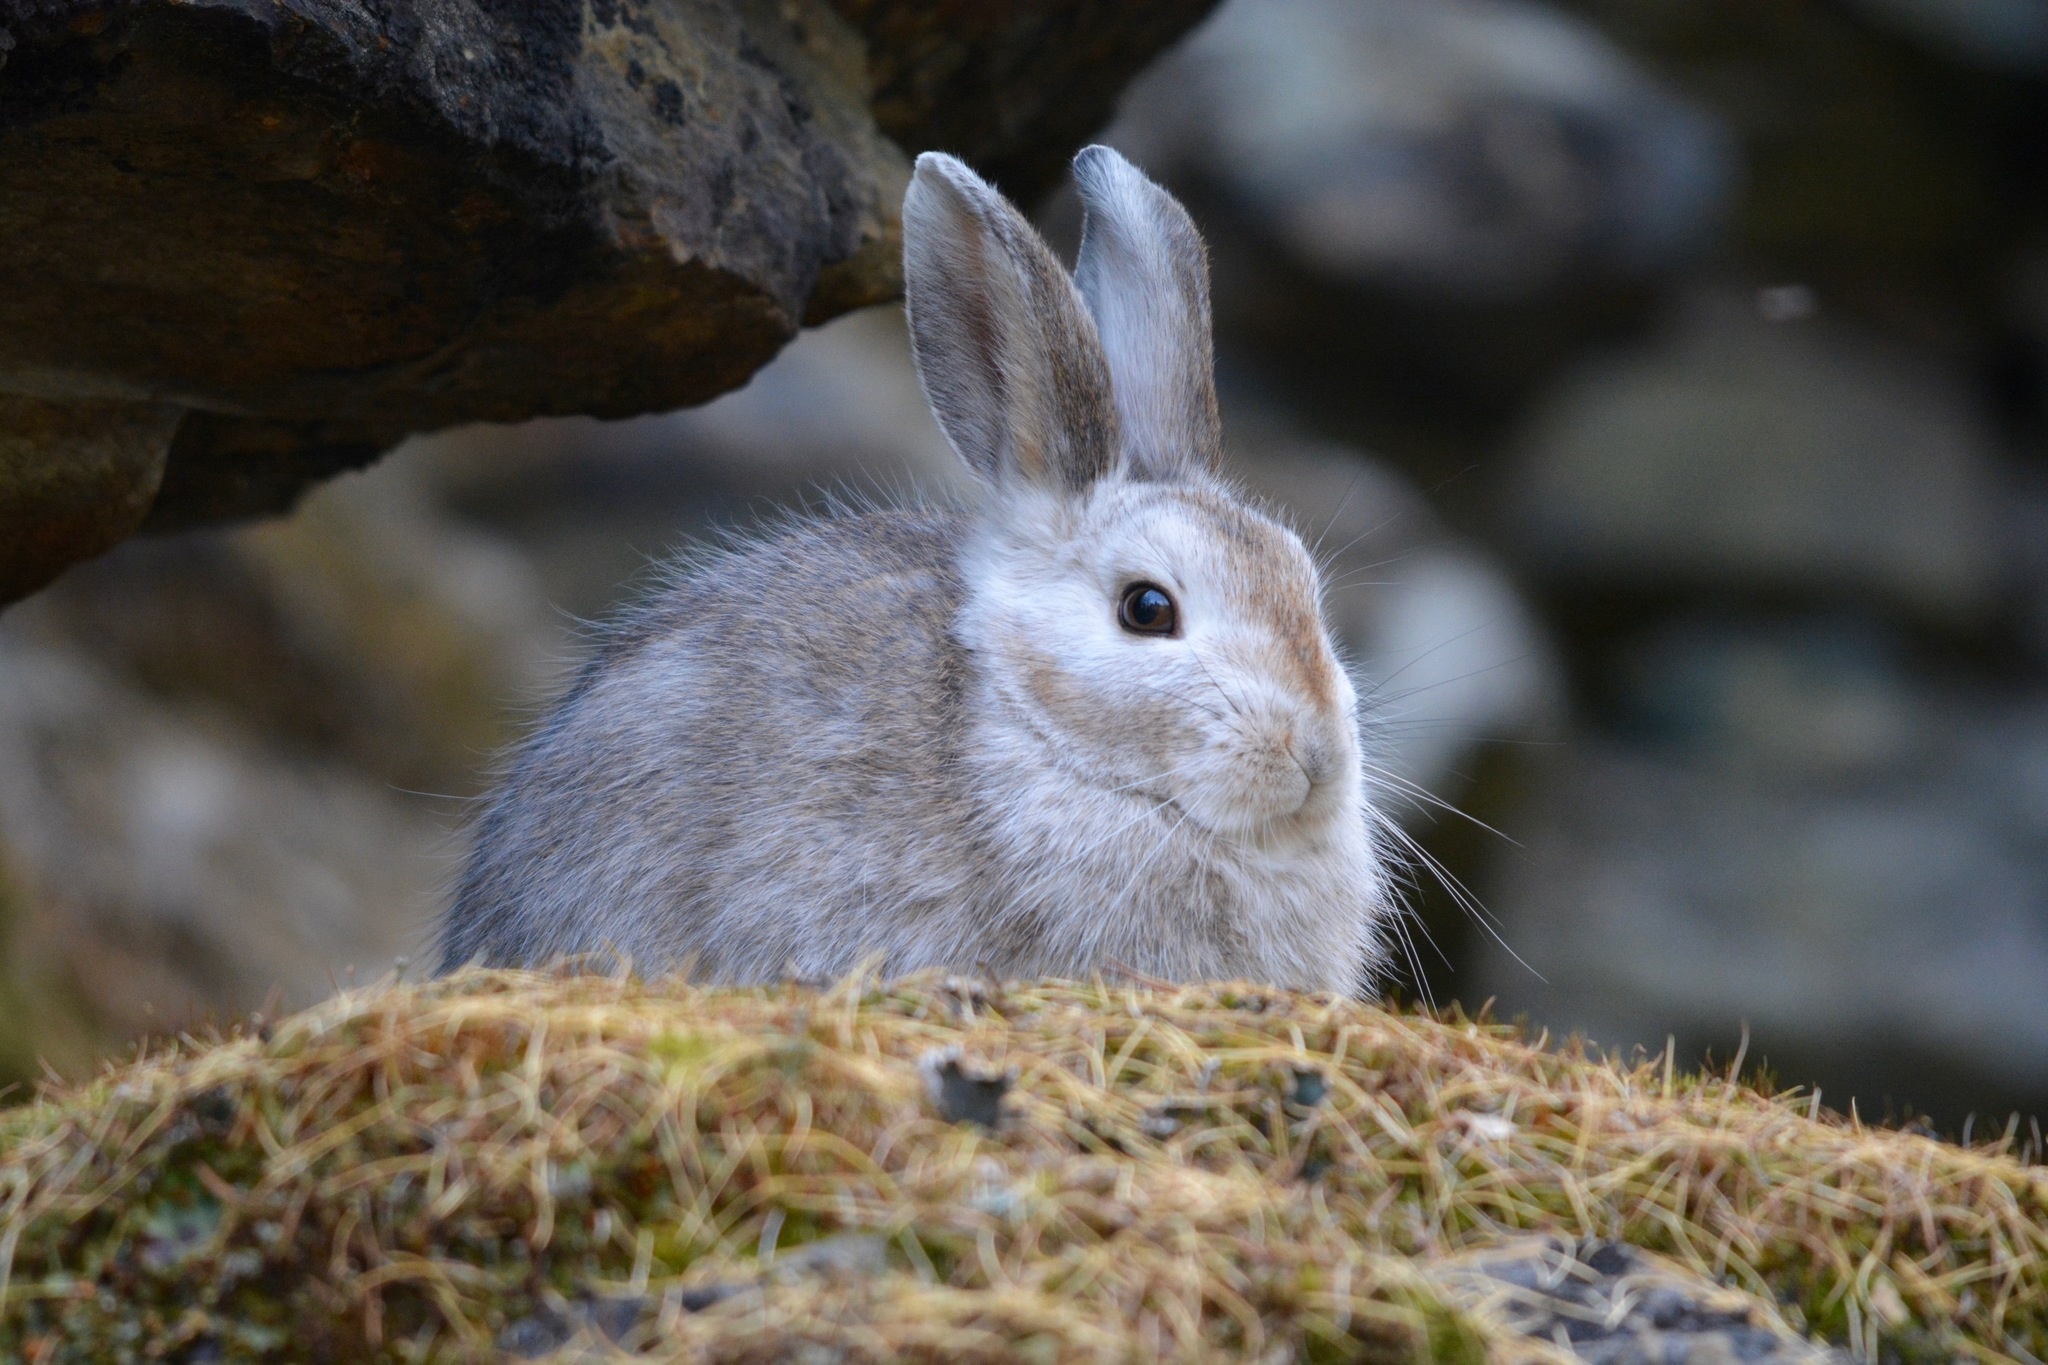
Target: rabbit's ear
column 1145, row 275
column 1005, row 348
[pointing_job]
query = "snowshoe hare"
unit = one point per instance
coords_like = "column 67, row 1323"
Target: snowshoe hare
column 1095, row 720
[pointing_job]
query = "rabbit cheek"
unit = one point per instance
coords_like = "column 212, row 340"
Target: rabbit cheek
column 1097, row 739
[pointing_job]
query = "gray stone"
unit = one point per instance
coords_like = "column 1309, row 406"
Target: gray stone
column 165, row 867
column 1801, row 838
column 1803, row 458
column 1608, row 1303
column 1476, row 148
column 1999, row 34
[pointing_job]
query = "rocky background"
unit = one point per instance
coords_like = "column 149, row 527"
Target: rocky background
column 1667, row 378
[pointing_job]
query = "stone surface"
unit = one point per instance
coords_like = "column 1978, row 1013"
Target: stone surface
column 1609, row 1303
column 165, row 867
column 2007, row 35
column 1417, row 209
column 1796, row 834
column 1012, row 85
column 1464, row 148
column 1802, row 459
column 322, row 225
column 1883, row 161
column 75, row 479
column 233, row 764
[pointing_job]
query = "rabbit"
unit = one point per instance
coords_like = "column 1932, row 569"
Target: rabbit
column 1092, row 719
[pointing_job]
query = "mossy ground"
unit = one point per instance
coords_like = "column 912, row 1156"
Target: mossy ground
column 448, row 1171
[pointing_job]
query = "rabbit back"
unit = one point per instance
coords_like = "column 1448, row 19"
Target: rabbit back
column 774, row 735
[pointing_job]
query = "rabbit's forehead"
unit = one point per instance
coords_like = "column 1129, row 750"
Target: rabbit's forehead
column 1210, row 539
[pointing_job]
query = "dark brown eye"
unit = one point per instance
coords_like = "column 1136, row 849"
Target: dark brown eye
column 1147, row 610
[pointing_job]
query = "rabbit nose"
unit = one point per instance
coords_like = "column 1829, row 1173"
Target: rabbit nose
column 1316, row 756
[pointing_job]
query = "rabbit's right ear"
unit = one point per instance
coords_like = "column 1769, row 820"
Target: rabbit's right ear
column 1145, row 275
column 1005, row 349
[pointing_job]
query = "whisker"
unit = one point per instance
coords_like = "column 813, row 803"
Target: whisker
column 1342, row 503
column 1464, row 898
column 1417, row 792
column 1183, row 697
column 1217, row 683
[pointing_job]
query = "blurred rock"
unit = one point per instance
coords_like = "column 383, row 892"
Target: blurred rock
column 1609, row 1303
column 233, row 765
column 323, row 227
column 370, row 629
column 1457, row 147
column 1894, row 176
column 2000, row 34
column 1795, row 834
column 1739, row 456
column 169, row 866
column 1418, row 209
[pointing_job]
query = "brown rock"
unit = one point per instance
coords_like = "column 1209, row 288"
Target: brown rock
column 324, row 225
column 75, row 480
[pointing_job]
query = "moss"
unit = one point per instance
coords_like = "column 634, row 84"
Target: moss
column 501, row 1162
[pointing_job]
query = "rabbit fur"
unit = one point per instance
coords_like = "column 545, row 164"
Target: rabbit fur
column 922, row 737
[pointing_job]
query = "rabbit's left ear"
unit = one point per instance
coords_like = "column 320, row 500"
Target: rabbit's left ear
column 1145, row 276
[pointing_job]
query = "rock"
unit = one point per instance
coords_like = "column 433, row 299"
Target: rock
column 370, row 630
column 2008, row 35
column 1609, row 1303
column 321, row 227
column 1876, row 166
column 1015, row 86
column 1804, row 459
column 1476, row 148
column 234, row 764
column 1790, row 833
column 75, row 480
column 1419, row 209
column 167, row 868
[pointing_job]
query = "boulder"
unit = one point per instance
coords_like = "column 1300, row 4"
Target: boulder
column 1417, row 209
column 75, row 479
column 1802, row 459
column 316, row 226
column 1459, row 149
column 1796, row 836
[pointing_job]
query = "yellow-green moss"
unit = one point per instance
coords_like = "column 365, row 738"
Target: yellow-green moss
column 441, row 1171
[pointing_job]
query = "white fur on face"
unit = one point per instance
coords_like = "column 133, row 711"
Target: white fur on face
column 1242, row 721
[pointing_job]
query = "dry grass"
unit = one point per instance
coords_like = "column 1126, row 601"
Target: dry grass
column 1224, row 1172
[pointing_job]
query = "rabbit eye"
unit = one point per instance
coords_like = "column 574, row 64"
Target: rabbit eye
column 1147, row 610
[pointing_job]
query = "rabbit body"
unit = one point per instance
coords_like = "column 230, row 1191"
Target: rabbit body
column 933, row 737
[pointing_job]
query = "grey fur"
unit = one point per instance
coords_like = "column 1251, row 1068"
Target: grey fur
column 920, row 736
column 1156, row 335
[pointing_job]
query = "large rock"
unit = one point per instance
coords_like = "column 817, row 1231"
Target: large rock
column 1462, row 149
column 1793, row 834
column 1737, row 455
column 1418, row 209
column 75, row 479
column 321, row 225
